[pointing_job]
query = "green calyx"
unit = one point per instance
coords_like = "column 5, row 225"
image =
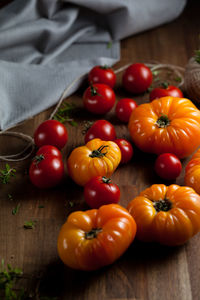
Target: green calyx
column 92, row 233
column 106, row 180
column 163, row 121
column 162, row 205
column 98, row 152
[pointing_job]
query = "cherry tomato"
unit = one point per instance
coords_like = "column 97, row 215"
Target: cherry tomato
column 101, row 129
column 137, row 78
column 168, row 166
column 102, row 74
column 99, row 98
column 46, row 170
column 100, row 191
column 165, row 90
column 126, row 150
column 124, row 109
column 50, row 150
column 51, row 132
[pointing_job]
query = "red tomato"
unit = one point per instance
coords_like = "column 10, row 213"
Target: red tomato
column 101, row 129
column 100, row 191
column 46, row 171
column 99, row 98
column 51, row 132
column 50, row 150
column 165, row 90
column 168, row 166
column 102, row 74
column 126, row 150
column 124, row 109
column 137, row 78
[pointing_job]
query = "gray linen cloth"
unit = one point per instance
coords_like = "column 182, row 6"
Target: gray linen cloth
column 46, row 44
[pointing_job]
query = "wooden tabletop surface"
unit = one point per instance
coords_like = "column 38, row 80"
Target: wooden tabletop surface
column 145, row 271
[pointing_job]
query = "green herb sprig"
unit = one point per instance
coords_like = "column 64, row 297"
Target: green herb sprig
column 64, row 114
column 6, row 174
column 197, row 56
column 30, row 224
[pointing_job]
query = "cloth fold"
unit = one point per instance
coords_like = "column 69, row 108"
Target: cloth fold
column 46, row 44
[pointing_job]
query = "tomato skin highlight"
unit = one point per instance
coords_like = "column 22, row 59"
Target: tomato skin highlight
column 95, row 238
column 101, row 74
column 50, row 150
column 100, row 191
column 169, row 215
column 51, row 132
column 98, row 98
column 101, row 129
column 163, row 92
column 168, row 166
column 124, row 109
column 126, row 150
column 46, row 172
column 137, row 78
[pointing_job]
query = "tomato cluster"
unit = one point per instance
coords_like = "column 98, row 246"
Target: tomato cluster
column 168, row 126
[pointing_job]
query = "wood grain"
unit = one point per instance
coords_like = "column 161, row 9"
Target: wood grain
column 145, row 271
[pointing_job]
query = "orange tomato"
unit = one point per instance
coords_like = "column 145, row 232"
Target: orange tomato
column 192, row 172
column 95, row 238
column 96, row 158
column 166, row 125
column 168, row 215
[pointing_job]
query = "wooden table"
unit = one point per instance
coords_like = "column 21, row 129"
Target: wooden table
column 145, row 271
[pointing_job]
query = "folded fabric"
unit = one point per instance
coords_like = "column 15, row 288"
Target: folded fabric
column 46, row 44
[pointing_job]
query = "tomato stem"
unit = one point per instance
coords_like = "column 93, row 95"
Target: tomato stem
column 92, row 233
column 165, row 85
column 93, row 91
column 106, row 180
column 38, row 158
column 162, row 205
column 98, row 152
column 163, row 121
column 105, row 67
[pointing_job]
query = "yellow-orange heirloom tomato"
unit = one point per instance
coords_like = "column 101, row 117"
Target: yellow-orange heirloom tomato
column 166, row 125
column 169, row 215
column 95, row 238
column 192, row 172
column 96, row 158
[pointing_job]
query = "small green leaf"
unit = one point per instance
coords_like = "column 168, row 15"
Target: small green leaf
column 155, row 73
column 15, row 210
column 71, row 204
column 30, row 224
column 178, row 79
column 41, row 206
column 197, row 56
column 6, row 174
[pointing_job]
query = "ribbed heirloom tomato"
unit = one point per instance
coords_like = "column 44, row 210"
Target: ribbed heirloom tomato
column 95, row 238
column 192, row 172
column 169, row 215
column 166, row 125
column 96, row 158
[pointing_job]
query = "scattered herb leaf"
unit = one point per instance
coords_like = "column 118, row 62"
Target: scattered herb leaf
column 16, row 209
column 64, row 113
column 155, row 73
column 8, row 277
column 10, row 197
column 150, row 89
column 41, row 206
column 30, row 224
column 71, row 204
column 178, row 79
column 6, row 174
column 109, row 45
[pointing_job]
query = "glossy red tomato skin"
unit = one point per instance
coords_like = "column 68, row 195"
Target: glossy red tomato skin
column 126, row 150
column 51, row 132
column 163, row 92
column 102, row 101
column 49, row 150
column 46, row 173
column 101, row 129
column 168, row 166
column 124, row 109
column 101, row 74
column 137, row 78
column 98, row 193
